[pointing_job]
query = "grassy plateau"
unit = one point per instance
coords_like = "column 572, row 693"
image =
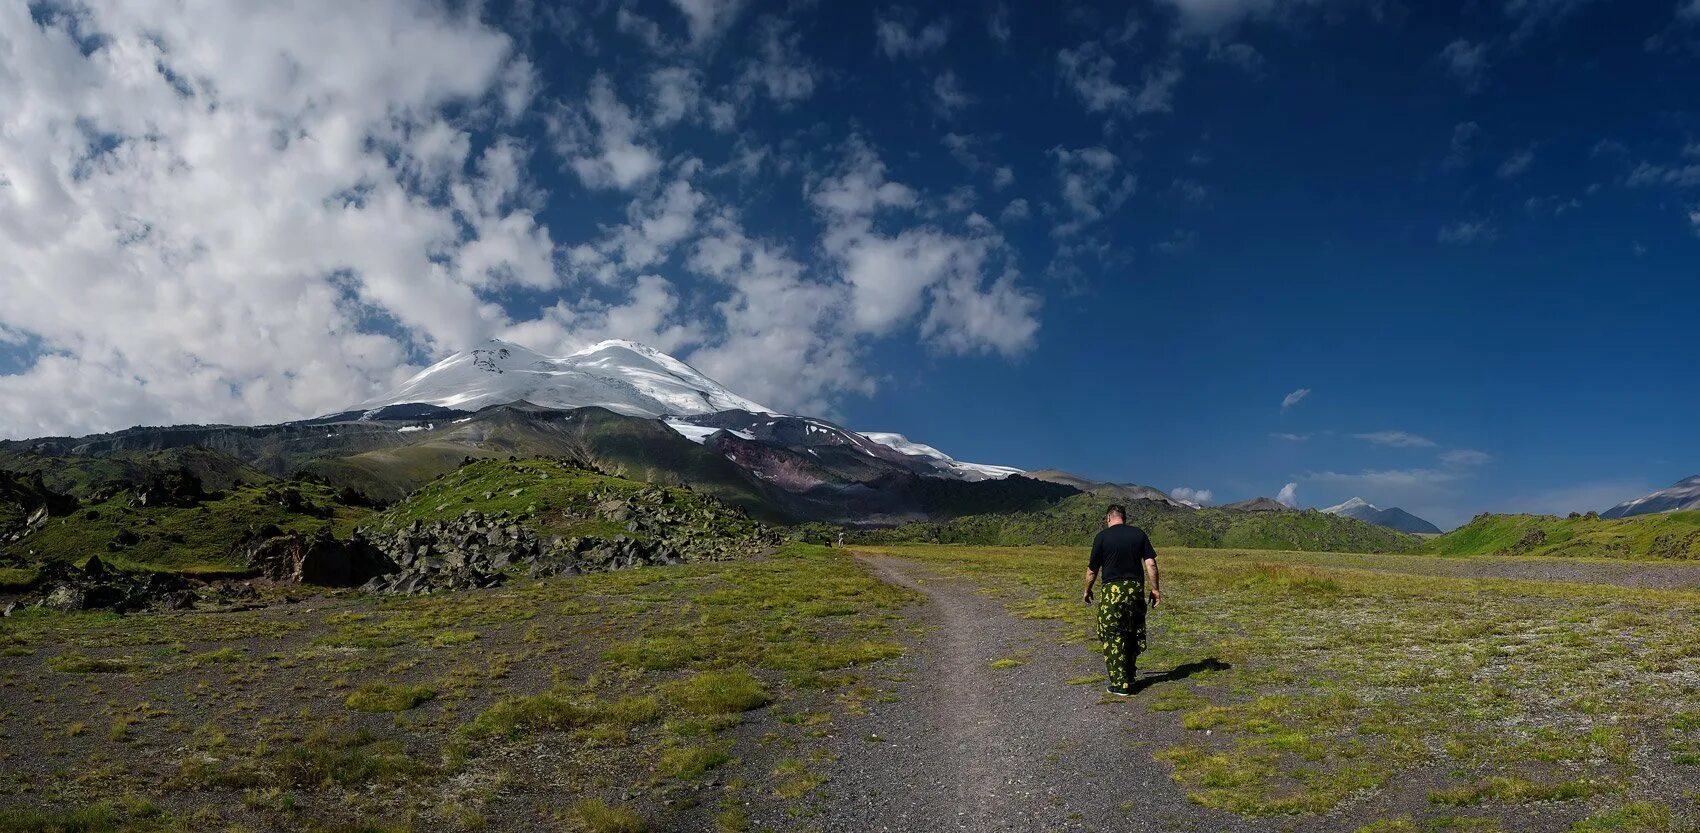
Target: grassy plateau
column 1418, row 702
column 672, row 698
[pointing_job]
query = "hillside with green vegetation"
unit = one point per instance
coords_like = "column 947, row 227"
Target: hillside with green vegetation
column 81, row 475
column 1075, row 520
column 201, row 535
column 555, row 498
column 1673, row 535
column 636, row 449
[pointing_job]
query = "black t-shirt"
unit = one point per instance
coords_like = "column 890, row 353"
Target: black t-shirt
column 1119, row 552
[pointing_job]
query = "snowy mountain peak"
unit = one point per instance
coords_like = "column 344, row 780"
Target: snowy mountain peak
column 1683, row 496
column 1394, row 518
column 622, row 376
column 966, row 471
column 1354, row 503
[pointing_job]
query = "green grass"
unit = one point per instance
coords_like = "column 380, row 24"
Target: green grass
column 1074, row 520
column 220, row 656
column 1672, row 535
column 1638, row 817
column 78, row 475
column 634, row 681
column 185, row 538
column 387, row 697
column 596, row 816
column 693, row 761
column 129, row 815
column 717, row 692
column 14, row 579
column 1316, row 683
column 556, row 497
column 78, row 663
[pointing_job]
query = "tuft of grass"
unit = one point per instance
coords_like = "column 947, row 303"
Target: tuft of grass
column 1639, row 817
column 655, row 653
column 717, row 692
column 78, row 663
column 692, row 761
column 596, row 816
column 388, row 697
column 93, row 818
column 1004, row 663
column 219, row 656
column 559, row 710
column 1518, row 791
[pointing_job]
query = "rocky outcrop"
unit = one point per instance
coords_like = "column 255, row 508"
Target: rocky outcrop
column 63, row 586
column 26, row 504
column 320, row 559
column 173, row 487
column 478, row 550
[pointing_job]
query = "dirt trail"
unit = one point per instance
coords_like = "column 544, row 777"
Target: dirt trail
column 970, row 747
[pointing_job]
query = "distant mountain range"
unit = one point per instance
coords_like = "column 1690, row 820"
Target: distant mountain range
column 1392, row 517
column 1683, row 496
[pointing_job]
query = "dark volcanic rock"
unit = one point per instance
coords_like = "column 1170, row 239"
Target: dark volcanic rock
column 475, row 549
column 321, row 559
column 175, row 487
column 63, row 586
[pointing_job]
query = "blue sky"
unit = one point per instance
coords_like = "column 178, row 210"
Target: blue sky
column 1108, row 238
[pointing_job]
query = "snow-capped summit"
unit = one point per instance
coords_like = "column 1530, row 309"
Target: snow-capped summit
column 966, row 471
column 622, row 376
column 1349, row 505
column 1394, row 518
column 637, row 380
column 1684, row 496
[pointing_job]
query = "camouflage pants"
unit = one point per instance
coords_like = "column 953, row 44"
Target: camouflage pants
column 1121, row 627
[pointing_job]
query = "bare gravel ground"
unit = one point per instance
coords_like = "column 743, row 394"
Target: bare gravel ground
column 967, row 746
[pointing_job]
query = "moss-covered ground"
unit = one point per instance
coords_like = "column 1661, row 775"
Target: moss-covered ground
column 677, row 698
column 198, row 538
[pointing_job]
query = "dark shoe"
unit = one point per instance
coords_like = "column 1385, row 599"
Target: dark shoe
column 1119, row 692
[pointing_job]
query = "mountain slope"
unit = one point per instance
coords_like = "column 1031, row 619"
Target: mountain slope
column 1673, row 535
column 1112, row 491
column 1680, row 497
column 1392, row 517
column 632, row 447
column 622, row 376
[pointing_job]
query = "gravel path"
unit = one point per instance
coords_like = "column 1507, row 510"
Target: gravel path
column 969, row 747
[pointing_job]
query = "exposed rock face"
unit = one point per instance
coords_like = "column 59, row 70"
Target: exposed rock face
column 66, row 587
column 320, row 559
column 34, row 502
column 176, row 487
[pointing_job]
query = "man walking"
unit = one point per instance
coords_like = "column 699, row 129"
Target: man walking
column 1126, row 563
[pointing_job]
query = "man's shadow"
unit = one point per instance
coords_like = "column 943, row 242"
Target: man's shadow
column 1180, row 672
